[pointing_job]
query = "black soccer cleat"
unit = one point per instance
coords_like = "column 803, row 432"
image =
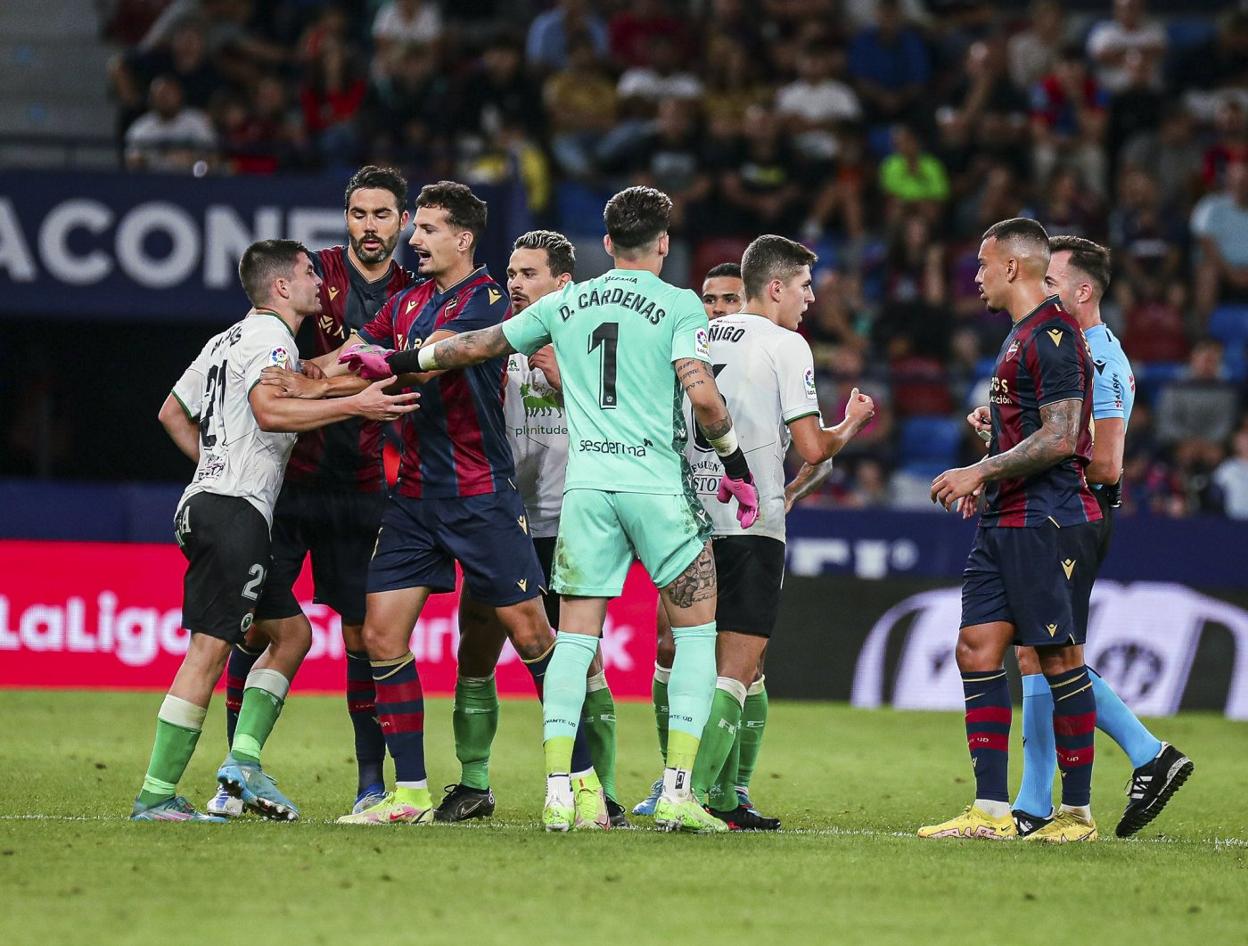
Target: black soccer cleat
column 463, row 804
column 1152, row 785
column 616, row 813
column 743, row 818
column 1026, row 823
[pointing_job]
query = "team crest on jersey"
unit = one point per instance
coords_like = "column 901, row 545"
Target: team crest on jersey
column 809, row 381
column 450, row 307
column 280, row 357
column 702, row 343
column 1013, row 349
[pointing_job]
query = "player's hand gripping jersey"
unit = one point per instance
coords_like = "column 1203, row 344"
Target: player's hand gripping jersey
column 236, row 457
column 616, row 338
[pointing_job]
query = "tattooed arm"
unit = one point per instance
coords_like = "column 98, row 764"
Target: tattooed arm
column 1046, row 447
column 454, row 351
column 709, row 408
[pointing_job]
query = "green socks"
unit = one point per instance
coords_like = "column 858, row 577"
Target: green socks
column 563, row 697
column 262, row 703
column 598, row 715
column 475, row 721
column 753, row 722
column 658, row 695
column 689, row 693
column 178, row 725
column 719, row 735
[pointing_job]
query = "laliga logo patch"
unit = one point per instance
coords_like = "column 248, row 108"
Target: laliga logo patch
column 810, row 383
column 280, row 357
column 702, row 343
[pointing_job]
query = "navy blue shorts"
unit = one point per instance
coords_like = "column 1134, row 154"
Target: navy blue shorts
column 421, row 539
column 1039, row 579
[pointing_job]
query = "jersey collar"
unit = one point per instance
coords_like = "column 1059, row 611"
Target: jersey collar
column 479, row 271
column 1045, row 301
column 272, row 314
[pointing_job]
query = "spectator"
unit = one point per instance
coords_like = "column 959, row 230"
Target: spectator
column 1033, row 53
column 838, row 316
column 1220, row 224
column 1068, row 121
column 1111, row 44
column 1155, row 326
column 915, row 266
column 499, row 91
column 580, row 106
column 261, row 136
column 816, row 106
column 1133, row 110
column 1231, row 476
column 551, row 35
column 912, row 179
column 1170, row 156
column 1069, row 207
column 669, row 156
column 1201, row 407
column 1148, row 241
column 404, row 117
column 760, row 183
column 1231, row 144
column 733, row 85
column 402, row 23
column 185, row 58
column 662, row 77
column 889, row 65
column 331, row 97
column 1220, row 63
column 634, row 29
column 170, row 137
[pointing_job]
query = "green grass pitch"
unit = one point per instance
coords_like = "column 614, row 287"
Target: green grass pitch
column 851, row 786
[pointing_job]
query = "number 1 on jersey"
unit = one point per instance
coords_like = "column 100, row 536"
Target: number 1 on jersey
column 608, row 336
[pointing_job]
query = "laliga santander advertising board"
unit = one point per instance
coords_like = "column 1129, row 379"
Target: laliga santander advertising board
column 108, row 615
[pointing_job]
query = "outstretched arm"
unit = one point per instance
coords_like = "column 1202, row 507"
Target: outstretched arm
column 456, row 351
column 808, row 479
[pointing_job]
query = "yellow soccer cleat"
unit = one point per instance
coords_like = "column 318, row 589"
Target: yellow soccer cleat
column 390, row 810
column 1066, row 828
column 590, row 804
column 972, row 824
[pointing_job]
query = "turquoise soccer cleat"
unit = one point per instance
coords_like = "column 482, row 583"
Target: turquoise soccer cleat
column 176, row 808
column 258, row 791
column 646, row 806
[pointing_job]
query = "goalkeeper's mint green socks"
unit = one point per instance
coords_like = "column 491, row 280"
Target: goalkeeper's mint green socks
column 753, row 722
column 689, row 691
column 564, row 697
column 475, row 721
column 263, row 699
column 178, row 725
column 598, row 716
column 719, row 735
column 658, row 696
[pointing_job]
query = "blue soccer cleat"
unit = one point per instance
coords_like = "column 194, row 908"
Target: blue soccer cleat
column 176, row 808
column 258, row 791
column 646, row 806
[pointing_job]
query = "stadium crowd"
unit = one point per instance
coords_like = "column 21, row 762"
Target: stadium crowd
column 885, row 135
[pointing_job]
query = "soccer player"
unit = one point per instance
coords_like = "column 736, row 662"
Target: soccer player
column 617, row 339
column 767, row 375
column 223, row 520
column 542, row 262
column 455, row 501
column 331, row 501
column 1029, row 575
column 1079, row 272
column 723, row 293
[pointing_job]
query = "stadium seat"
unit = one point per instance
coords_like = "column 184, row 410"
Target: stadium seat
column 1229, row 325
column 927, row 441
column 1151, row 377
column 983, row 368
column 580, row 207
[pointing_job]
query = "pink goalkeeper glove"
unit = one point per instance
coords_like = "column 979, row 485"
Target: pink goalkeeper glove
column 368, row 361
column 746, row 495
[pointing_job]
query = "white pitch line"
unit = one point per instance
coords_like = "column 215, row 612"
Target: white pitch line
column 833, row 832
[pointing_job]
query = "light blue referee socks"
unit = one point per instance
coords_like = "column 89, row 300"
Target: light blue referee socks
column 1115, row 719
column 1035, row 795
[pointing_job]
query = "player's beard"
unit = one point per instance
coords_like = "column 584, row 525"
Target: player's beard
column 518, row 305
column 372, row 257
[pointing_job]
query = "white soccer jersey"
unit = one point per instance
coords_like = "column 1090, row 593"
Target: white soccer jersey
column 767, row 376
column 236, row 457
column 538, row 431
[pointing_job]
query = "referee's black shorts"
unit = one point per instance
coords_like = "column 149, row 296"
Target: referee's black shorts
column 749, row 572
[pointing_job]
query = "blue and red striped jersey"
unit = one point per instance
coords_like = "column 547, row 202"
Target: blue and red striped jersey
column 456, row 444
column 346, row 455
column 1044, row 359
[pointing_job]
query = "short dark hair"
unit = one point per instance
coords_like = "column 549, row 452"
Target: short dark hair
column 1091, row 259
column 729, row 270
column 371, row 175
column 1019, row 230
column 772, row 257
column 636, row 217
column 264, row 261
column 560, row 253
column 464, row 209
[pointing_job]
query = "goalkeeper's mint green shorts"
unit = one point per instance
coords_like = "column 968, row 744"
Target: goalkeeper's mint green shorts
column 601, row 533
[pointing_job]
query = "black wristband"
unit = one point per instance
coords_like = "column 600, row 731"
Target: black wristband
column 735, row 465
column 404, row 362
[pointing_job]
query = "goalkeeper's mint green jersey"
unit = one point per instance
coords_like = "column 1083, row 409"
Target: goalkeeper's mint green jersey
column 615, row 339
